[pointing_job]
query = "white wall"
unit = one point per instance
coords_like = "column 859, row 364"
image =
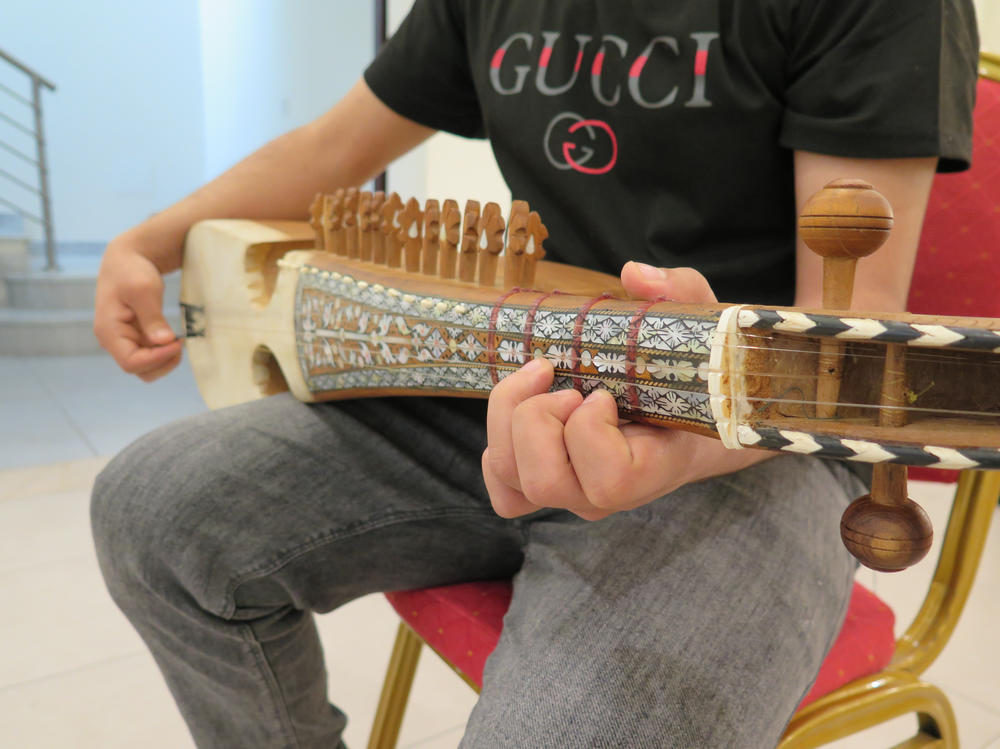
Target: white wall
column 124, row 127
column 446, row 166
column 154, row 98
column 988, row 12
column 272, row 65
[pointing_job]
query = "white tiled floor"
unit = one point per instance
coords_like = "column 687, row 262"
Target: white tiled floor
column 74, row 674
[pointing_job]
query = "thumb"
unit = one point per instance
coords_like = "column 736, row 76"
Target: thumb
column 148, row 308
column 643, row 281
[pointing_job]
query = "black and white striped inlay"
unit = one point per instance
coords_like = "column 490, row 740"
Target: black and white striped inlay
column 865, row 329
column 866, row 451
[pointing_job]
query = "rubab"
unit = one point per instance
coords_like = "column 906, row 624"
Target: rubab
column 375, row 297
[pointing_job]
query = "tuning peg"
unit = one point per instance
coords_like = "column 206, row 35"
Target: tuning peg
column 490, row 241
column 517, row 243
column 410, row 225
column 316, row 220
column 431, row 233
column 364, row 225
column 390, row 230
column 350, row 222
column 333, row 232
column 534, row 251
column 886, row 530
column 467, row 249
column 451, row 234
column 847, row 220
column 375, row 220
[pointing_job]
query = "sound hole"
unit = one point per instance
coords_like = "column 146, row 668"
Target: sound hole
column 267, row 374
column 261, row 265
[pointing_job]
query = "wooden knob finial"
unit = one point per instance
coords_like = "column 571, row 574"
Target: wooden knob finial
column 886, row 530
column 846, row 219
column 886, row 537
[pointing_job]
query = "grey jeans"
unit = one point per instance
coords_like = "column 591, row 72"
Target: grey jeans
column 699, row 620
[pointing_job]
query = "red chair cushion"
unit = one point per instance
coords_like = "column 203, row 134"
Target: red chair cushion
column 864, row 646
column 463, row 622
column 958, row 263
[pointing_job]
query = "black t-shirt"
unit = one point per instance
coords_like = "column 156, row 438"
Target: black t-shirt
column 664, row 131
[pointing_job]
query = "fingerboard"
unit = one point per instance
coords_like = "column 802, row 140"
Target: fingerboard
column 355, row 336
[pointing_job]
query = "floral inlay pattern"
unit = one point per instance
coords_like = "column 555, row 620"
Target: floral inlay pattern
column 356, row 335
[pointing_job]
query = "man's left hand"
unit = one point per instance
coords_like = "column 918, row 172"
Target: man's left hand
column 558, row 449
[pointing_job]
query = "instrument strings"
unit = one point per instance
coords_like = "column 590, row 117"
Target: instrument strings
column 692, row 370
column 671, row 364
column 455, row 379
column 914, row 354
column 690, row 373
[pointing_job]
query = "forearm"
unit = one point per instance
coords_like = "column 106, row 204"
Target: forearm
column 347, row 146
column 276, row 181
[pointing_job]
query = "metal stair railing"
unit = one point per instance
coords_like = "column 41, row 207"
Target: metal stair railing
column 36, row 131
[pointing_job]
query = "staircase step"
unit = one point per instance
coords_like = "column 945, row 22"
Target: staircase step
column 14, row 258
column 44, row 290
column 52, row 313
column 14, row 253
column 63, row 290
column 55, row 332
column 11, row 225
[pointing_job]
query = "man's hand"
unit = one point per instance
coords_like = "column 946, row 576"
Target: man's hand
column 128, row 315
column 348, row 145
column 561, row 450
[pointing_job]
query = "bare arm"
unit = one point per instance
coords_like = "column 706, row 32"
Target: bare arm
column 348, row 145
column 883, row 279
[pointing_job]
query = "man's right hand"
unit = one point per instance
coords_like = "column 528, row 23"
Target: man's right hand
column 128, row 315
column 348, row 145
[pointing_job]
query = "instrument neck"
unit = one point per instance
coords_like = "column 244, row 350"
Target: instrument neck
column 651, row 357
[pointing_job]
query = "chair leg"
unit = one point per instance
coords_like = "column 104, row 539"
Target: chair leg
column 395, row 689
column 901, row 694
column 937, row 721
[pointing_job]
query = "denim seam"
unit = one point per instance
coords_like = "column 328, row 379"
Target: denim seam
column 229, row 598
column 270, row 685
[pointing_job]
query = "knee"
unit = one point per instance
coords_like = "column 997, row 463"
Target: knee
column 133, row 509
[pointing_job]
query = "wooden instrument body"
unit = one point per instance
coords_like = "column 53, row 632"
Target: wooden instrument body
column 265, row 312
column 262, row 316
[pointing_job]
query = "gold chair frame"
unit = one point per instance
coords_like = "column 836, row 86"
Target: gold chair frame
column 898, row 689
column 989, row 65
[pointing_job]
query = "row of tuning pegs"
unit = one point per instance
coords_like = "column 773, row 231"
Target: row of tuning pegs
column 436, row 239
